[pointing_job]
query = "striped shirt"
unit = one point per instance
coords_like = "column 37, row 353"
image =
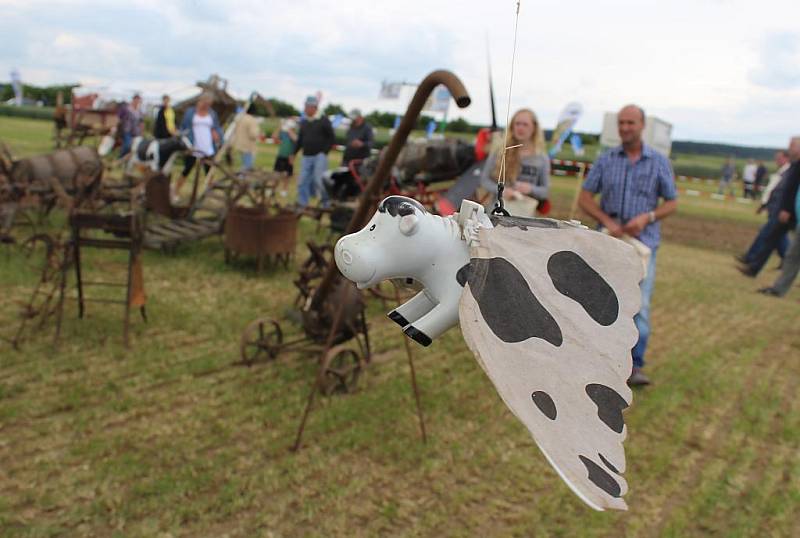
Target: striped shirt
column 629, row 189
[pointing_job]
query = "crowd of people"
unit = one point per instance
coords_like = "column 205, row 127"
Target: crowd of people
column 781, row 202
column 754, row 178
column 634, row 182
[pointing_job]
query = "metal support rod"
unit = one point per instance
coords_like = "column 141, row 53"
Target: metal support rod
column 337, row 321
column 369, row 197
column 410, row 356
column 574, row 208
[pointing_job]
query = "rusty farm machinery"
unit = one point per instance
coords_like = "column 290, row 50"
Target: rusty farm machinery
column 332, row 309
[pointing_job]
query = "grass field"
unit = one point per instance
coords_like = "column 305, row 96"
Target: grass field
column 170, row 438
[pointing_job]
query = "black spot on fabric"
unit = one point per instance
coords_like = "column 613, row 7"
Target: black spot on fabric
column 417, row 335
column 609, row 405
column 400, row 205
column 523, row 222
column 462, row 275
column 608, row 464
column 507, row 303
column 600, row 478
column 545, row 404
column 397, row 318
column 576, row 279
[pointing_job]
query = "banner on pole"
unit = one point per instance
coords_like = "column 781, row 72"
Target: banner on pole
column 390, row 90
column 16, row 84
column 577, row 144
column 566, row 122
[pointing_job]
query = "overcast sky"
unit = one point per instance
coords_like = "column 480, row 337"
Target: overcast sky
column 718, row 70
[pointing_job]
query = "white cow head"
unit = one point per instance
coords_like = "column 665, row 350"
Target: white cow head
column 395, row 243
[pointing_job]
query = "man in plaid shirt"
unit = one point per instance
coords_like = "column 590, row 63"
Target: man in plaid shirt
column 630, row 180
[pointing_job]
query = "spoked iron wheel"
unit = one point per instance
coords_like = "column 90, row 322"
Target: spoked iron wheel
column 260, row 341
column 342, row 368
column 394, row 290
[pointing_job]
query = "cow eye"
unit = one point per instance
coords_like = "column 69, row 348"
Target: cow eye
column 372, row 227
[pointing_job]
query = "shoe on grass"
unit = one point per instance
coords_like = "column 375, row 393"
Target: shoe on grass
column 746, row 271
column 772, row 292
column 637, row 378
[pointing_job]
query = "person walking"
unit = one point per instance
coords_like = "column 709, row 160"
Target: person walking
column 201, row 125
column 770, row 201
column 245, row 138
column 786, row 214
column 131, row 123
column 631, row 178
column 728, row 174
column 791, row 262
column 316, row 139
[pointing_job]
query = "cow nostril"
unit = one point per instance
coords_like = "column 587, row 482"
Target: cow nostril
column 347, row 257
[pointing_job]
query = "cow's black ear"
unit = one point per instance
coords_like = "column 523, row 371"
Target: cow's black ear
column 405, row 209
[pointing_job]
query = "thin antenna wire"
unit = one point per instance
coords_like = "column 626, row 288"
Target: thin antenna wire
column 502, row 179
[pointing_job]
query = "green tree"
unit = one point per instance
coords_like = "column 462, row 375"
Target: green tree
column 333, row 109
column 282, row 108
column 460, row 125
column 380, row 119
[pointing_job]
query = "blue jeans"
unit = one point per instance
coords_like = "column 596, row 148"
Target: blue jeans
column 774, row 235
column 310, row 181
column 127, row 141
column 642, row 319
column 760, row 241
column 247, row 161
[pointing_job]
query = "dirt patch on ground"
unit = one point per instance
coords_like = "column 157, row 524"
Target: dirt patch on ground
column 695, row 231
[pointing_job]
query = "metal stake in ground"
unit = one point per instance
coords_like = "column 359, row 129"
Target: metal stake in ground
column 410, row 356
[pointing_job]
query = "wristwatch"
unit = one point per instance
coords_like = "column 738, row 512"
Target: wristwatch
column 652, row 216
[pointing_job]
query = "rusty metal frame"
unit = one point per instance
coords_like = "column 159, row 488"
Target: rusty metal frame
column 367, row 202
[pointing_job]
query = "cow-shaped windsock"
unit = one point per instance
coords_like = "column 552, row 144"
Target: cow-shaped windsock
column 403, row 240
column 547, row 308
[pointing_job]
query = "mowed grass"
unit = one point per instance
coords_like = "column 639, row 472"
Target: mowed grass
column 171, row 438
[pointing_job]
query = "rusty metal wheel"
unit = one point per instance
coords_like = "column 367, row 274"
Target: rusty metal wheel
column 395, row 290
column 342, row 367
column 260, row 341
column 39, row 252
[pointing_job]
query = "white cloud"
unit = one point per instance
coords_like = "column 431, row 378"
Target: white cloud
column 719, row 70
column 779, row 58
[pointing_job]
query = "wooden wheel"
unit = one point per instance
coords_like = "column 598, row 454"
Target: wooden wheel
column 342, row 368
column 260, row 341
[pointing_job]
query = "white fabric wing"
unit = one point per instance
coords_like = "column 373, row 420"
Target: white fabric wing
column 548, row 312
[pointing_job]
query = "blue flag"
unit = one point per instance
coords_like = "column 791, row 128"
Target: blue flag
column 431, row 128
column 577, row 143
